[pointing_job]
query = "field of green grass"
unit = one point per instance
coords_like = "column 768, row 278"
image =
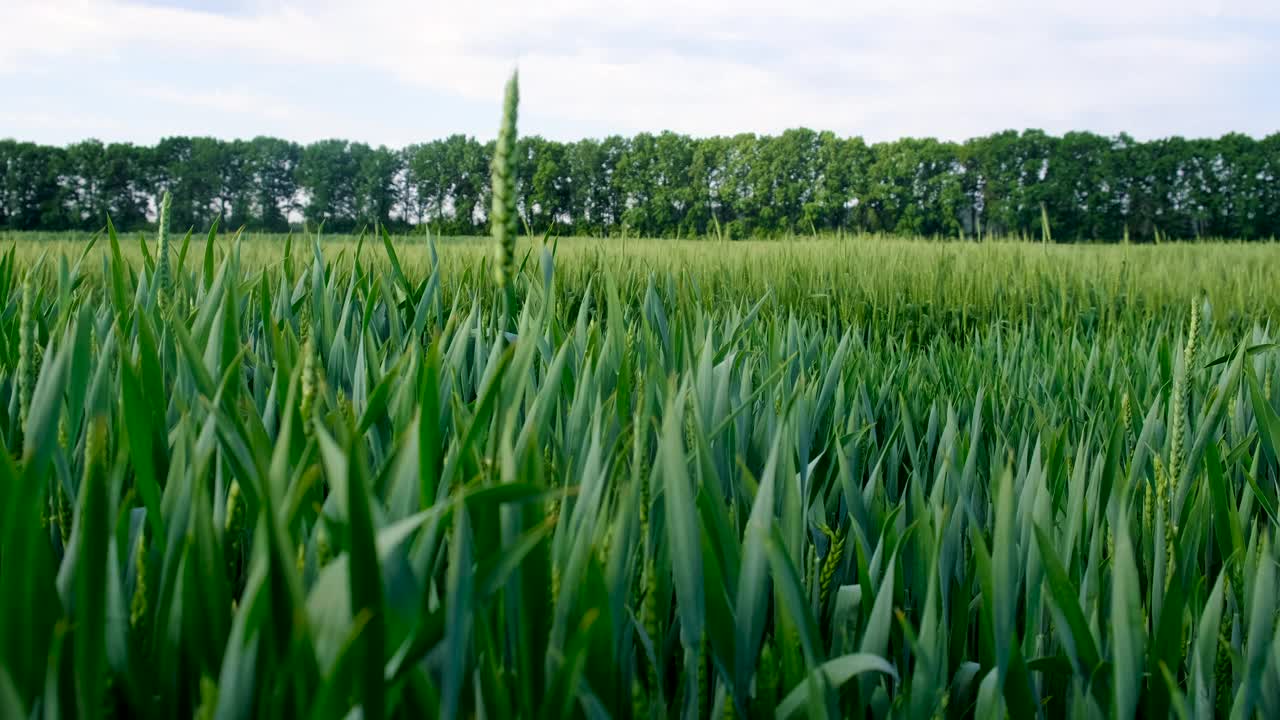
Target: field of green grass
column 907, row 286
column 271, row 477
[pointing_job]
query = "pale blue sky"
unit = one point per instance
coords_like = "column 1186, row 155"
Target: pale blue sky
column 402, row 71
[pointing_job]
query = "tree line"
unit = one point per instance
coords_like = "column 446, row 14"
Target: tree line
column 801, row 181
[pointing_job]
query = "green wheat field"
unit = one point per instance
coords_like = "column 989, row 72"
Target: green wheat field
column 376, row 476
column 297, row 477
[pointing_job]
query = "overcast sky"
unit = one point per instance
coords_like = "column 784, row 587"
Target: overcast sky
column 403, row 71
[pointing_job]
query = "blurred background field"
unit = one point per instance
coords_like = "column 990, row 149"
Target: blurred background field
column 859, row 279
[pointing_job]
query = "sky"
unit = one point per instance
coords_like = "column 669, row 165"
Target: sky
column 397, row 72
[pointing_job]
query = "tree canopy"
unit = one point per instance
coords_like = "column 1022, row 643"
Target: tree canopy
column 1090, row 186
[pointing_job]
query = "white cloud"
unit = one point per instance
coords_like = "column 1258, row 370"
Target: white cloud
column 882, row 69
column 78, row 126
column 223, row 101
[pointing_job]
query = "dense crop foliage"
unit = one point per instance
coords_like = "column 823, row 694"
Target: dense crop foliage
column 660, row 480
column 802, row 182
column 302, row 479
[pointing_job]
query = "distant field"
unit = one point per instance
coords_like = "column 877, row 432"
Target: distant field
column 829, row 477
column 861, row 279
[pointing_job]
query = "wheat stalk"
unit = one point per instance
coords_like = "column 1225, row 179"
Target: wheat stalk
column 502, row 220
